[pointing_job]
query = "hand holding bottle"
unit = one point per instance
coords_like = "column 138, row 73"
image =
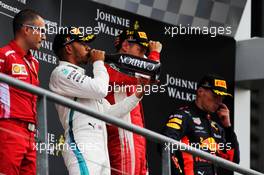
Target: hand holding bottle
column 97, row 55
column 155, row 46
column 134, row 66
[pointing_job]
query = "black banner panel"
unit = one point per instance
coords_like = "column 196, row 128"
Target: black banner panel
column 185, row 59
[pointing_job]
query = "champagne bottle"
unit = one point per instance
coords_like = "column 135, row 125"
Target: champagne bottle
column 134, row 66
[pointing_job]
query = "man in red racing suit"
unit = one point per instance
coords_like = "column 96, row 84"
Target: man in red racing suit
column 127, row 151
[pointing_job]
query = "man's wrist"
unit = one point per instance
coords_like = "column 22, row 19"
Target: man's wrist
column 154, row 55
column 98, row 62
column 139, row 95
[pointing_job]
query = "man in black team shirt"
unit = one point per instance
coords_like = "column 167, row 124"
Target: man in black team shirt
column 196, row 125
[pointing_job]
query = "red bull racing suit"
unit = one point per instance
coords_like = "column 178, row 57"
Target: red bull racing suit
column 197, row 128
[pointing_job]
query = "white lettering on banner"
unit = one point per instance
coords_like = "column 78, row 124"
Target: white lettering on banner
column 178, row 88
column 181, row 82
column 46, row 45
column 185, row 96
column 137, row 63
column 111, row 18
column 22, row 1
column 44, row 57
column 51, row 137
column 102, row 17
column 103, row 28
column 50, row 23
column 9, row 8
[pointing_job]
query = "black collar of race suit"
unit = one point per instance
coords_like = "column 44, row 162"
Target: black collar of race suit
column 198, row 111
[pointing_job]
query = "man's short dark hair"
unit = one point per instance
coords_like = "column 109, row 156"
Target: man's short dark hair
column 26, row 16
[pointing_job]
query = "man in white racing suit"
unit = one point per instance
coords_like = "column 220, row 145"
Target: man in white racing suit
column 85, row 150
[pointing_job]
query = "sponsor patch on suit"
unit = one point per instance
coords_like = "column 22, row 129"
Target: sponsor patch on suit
column 19, row 69
column 197, row 120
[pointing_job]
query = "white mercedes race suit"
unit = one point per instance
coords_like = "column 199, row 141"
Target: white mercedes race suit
column 85, row 150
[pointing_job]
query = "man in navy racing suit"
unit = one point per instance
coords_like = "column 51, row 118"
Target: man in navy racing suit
column 196, row 125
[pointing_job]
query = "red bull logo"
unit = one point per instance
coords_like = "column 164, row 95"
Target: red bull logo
column 209, row 144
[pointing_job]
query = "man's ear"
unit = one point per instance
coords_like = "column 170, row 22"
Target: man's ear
column 68, row 49
column 25, row 31
column 200, row 91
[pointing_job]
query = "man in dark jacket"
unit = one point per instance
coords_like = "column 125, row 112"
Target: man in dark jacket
column 196, row 125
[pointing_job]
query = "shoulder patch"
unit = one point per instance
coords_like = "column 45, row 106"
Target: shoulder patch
column 175, row 121
column 197, row 120
column 19, row 69
column 65, row 71
column 173, row 125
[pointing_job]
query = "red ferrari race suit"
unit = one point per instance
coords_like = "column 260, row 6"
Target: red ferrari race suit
column 197, row 128
column 17, row 112
column 127, row 151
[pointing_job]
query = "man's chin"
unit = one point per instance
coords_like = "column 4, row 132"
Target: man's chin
column 85, row 62
column 37, row 47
